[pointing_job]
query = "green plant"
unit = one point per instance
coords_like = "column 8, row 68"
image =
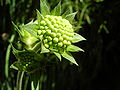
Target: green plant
column 51, row 34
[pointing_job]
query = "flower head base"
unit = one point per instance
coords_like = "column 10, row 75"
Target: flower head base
column 50, row 33
column 55, row 32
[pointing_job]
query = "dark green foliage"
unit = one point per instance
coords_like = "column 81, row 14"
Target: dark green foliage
column 99, row 65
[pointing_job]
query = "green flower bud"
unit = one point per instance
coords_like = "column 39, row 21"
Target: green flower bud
column 43, row 31
column 60, row 44
column 45, row 41
column 49, row 38
column 46, row 27
column 39, row 32
column 50, row 43
column 68, row 43
column 56, row 25
column 60, row 38
column 57, row 32
column 53, row 35
column 46, row 45
column 65, row 42
column 64, row 36
column 41, row 27
column 40, row 37
column 55, row 40
column 43, row 23
column 48, row 31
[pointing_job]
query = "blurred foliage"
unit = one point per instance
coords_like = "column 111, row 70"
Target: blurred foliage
column 98, row 21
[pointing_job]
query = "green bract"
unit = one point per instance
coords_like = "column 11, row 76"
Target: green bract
column 50, row 33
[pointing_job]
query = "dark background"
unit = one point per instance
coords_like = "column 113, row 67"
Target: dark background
column 100, row 63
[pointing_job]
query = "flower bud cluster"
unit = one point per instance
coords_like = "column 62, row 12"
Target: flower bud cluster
column 55, row 32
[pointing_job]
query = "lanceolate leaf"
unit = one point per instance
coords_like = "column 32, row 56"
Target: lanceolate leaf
column 26, row 55
column 43, row 49
column 14, row 66
column 73, row 48
column 77, row 38
column 17, row 66
column 27, row 60
column 16, row 28
column 66, row 13
column 44, row 8
column 57, row 10
column 31, row 28
column 58, row 55
column 39, row 17
column 69, row 57
column 71, row 16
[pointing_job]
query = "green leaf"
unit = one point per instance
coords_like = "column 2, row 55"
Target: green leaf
column 18, row 66
column 73, row 48
column 39, row 17
column 69, row 57
column 23, row 55
column 58, row 55
column 57, row 10
column 34, row 78
column 70, row 16
column 35, row 85
column 31, row 28
column 66, row 13
column 77, row 38
column 44, row 8
column 43, row 49
column 13, row 66
column 17, row 29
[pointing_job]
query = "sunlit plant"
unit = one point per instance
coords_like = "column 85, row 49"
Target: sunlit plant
column 51, row 33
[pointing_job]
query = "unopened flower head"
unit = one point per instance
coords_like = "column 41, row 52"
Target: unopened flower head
column 50, row 33
column 55, row 32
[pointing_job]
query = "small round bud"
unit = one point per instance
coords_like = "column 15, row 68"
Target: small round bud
column 50, row 43
column 64, row 42
column 70, row 39
column 53, row 21
column 55, row 30
column 53, row 34
column 41, row 37
column 43, row 22
column 48, row 22
column 51, row 26
column 71, row 34
column 56, row 25
column 46, row 27
column 49, row 38
column 68, row 43
column 55, row 40
column 43, row 31
column 45, row 41
column 48, row 31
column 60, row 44
column 39, row 32
column 46, row 45
column 58, row 34
column 64, row 36
column 60, row 38
column 41, row 27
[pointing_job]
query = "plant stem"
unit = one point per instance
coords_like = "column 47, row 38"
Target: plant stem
column 8, row 56
column 19, row 80
column 26, row 82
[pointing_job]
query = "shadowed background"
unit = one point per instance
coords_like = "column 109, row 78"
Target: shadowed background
column 100, row 63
